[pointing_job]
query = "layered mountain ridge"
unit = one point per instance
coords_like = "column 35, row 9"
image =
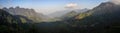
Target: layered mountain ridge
column 101, row 19
column 29, row 13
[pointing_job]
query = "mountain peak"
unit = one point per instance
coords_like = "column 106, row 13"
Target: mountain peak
column 107, row 3
column 17, row 7
column 72, row 11
column 106, row 7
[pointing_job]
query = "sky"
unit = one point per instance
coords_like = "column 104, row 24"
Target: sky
column 50, row 6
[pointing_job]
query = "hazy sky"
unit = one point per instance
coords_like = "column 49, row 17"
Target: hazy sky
column 50, row 6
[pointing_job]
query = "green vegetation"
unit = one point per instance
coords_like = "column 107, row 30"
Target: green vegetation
column 101, row 19
column 23, row 20
column 13, row 24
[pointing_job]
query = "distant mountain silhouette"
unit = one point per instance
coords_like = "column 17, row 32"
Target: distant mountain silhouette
column 63, row 12
column 69, row 15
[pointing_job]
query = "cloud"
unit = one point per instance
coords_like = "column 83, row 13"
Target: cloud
column 71, row 5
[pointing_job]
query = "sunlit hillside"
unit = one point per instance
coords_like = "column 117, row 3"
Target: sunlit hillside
column 59, row 16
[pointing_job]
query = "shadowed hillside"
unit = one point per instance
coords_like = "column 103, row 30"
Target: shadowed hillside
column 104, row 18
column 15, row 24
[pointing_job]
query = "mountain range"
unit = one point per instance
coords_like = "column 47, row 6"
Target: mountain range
column 63, row 12
column 13, row 23
column 101, row 19
column 29, row 13
column 104, row 18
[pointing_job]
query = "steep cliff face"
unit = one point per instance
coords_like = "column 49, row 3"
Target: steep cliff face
column 29, row 13
column 6, row 17
column 14, row 23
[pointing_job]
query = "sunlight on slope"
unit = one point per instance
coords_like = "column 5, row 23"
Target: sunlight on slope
column 83, row 15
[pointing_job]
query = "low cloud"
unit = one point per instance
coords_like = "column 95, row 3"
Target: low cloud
column 71, row 5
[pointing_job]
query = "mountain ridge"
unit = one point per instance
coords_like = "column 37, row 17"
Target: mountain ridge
column 29, row 13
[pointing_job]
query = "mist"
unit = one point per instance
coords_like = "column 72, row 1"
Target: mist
column 64, row 16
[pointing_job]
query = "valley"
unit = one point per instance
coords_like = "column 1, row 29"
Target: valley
column 104, row 18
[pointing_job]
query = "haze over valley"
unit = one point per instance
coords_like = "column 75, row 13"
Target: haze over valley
column 59, row 16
